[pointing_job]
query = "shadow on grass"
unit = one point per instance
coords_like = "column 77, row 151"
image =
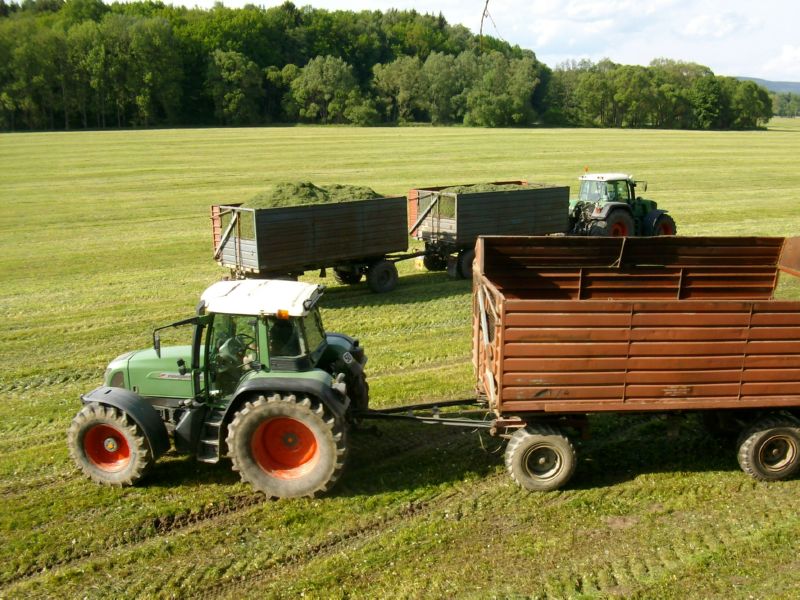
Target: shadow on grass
column 411, row 289
column 407, row 456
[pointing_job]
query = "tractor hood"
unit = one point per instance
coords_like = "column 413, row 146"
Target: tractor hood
column 149, row 375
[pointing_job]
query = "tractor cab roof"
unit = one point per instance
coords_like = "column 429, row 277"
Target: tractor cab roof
column 605, row 177
column 261, row 297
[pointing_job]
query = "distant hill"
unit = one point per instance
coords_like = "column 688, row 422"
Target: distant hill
column 775, row 86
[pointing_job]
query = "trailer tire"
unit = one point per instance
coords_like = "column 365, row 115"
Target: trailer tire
column 287, row 447
column 618, row 223
column 434, row 262
column 347, row 277
column 540, row 458
column 770, row 449
column 382, row 277
column 108, row 446
column 464, row 267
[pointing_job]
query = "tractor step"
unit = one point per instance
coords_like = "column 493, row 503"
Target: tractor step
column 208, row 448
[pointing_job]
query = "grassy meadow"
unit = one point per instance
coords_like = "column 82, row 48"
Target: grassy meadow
column 106, row 235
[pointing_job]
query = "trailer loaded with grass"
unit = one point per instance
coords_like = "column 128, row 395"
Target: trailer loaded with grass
column 295, row 228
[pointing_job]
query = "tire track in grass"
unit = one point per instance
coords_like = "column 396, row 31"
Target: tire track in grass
column 167, row 525
column 284, row 568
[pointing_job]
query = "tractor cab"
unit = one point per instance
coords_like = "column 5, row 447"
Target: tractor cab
column 608, row 187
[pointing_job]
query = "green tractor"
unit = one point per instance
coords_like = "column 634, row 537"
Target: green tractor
column 262, row 382
column 607, row 205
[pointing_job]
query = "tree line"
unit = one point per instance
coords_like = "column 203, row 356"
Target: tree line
column 68, row 64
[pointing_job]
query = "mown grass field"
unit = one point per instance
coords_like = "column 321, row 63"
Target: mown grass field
column 106, row 235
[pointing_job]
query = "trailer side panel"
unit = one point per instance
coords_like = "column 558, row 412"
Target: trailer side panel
column 673, row 324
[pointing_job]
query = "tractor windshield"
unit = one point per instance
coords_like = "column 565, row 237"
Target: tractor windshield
column 604, row 191
column 593, row 191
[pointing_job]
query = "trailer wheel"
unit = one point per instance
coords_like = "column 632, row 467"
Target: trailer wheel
column 770, row 449
column 618, row 223
column 434, row 262
column 347, row 277
column 540, row 458
column 285, row 447
column 108, row 446
column 664, row 225
column 382, row 277
column 465, row 258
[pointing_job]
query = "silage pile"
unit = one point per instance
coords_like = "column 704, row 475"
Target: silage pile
column 296, row 193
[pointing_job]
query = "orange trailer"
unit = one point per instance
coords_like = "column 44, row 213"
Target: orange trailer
column 566, row 326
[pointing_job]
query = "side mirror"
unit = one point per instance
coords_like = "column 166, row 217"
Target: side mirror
column 157, row 343
column 181, row 366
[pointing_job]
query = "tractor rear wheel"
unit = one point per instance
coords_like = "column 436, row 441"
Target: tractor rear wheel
column 108, row 446
column 382, row 277
column 664, row 225
column 540, row 458
column 618, row 223
column 770, row 449
column 287, row 447
column 347, row 277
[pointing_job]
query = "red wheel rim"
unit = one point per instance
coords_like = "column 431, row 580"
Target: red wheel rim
column 619, row 230
column 106, row 448
column 285, row 448
column 665, row 229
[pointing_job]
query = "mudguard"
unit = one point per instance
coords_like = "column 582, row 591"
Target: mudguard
column 650, row 219
column 336, row 403
column 144, row 415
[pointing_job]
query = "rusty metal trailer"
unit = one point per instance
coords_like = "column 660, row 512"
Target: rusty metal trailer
column 450, row 222
column 354, row 238
column 567, row 326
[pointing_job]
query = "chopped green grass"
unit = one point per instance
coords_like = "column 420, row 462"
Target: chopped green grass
column 113, row 239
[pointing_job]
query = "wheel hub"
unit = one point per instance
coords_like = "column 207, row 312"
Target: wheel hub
column 110, row 444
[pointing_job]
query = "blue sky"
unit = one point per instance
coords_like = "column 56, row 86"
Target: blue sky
column 733, row 37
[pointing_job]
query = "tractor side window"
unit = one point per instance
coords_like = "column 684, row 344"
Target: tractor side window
column 617, row 191
column 284, row 337
column 315, row 333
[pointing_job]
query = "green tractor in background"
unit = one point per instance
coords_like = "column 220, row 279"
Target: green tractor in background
column 607, row 205
column 262, row 383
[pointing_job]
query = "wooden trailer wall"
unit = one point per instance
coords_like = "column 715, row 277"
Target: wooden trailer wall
column 298, row 238
column 613, row 324
column 460, row 218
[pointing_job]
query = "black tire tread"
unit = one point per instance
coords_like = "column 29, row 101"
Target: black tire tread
column 141, row 454
column 313, row 407
column 521, row 438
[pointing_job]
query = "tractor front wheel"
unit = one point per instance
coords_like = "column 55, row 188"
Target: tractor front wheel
column 287, row 447
column 618, row 223
column 540, row 458
column 108, row 446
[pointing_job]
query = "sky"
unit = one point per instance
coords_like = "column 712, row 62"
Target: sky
column 732, row 37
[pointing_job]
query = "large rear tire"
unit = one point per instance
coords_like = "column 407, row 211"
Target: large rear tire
column 287, row 447
column 618, row 223
column 382, row 277
column 540, row 458
column 108, row 446
column 664, row 225
column 770, row 449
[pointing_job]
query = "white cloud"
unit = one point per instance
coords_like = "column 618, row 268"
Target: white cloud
column 716, row 26
column 787, row 65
